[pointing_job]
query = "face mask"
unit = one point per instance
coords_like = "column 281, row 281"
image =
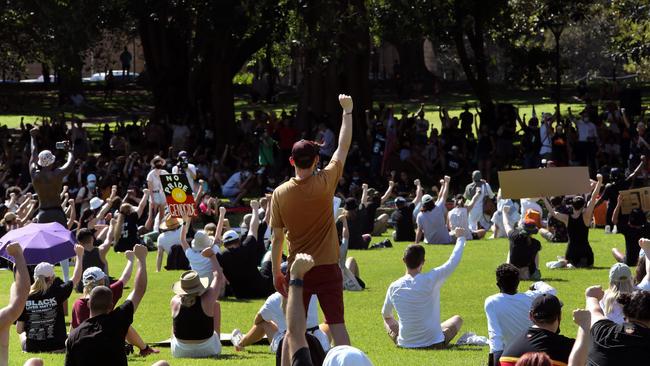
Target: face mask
column 159, row 166
column 91, row 185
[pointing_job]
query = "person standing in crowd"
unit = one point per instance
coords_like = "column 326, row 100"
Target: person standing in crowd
column 476, row 213
column 48, row 181
column 637, row 227
column 544, row 334
column 507, row 311
column 125, row 59
column 303, row 206
column 416, row 299
column 617, row 183
column 184, row 166
column 431, row 223
column 18, row 295
column 154, row 184
column 41, row 326
column 196, row 312
column 101, row 337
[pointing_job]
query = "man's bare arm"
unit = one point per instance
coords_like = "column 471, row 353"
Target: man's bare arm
column 19, row 290
column 345, row 135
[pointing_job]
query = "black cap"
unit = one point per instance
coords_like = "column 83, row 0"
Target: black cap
column 546, row 307
column 351, row 204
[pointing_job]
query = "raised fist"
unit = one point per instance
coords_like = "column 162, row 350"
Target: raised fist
column 140, row 251
column 301, row 265
column 222, row 211
column 346, row 103
column 14, row 249
column 599, row 177
column 364, row 186
column 459, row 232
column 34, row 132
column 130, row 255
column 595, row 291
column 255, row 205
column 417, row 182
column 79, row 250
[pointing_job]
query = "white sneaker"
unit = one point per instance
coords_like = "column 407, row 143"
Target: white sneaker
column 608, row 229
column 463, row 339
column 615, row 229
column 236, row 338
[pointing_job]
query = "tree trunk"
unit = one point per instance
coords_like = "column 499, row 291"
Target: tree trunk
column 223, row 102
column 414, row 71
column 69, row 78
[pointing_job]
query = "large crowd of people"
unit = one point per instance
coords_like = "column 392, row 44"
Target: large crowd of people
column 320, row 195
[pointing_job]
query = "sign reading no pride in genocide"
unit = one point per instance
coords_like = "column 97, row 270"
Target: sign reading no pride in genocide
column 178, row 194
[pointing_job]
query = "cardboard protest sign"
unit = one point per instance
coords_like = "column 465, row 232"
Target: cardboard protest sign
column 635, row 198
column 178, row 194
column 529, row 183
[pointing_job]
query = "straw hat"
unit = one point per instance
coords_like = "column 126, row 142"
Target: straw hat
column 190, row 284
column 157, row 158
column 171, row 223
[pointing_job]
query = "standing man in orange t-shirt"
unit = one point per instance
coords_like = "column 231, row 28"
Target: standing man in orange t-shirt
column 303, row 207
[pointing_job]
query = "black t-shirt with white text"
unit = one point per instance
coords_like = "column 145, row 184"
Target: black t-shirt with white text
column 100, row 339
column 619, row 344
column 44, row 319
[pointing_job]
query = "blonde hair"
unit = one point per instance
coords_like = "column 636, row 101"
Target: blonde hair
column 89, row 287
column 615, row 289
column 40, row 285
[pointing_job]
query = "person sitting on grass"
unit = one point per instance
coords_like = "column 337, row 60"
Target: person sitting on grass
column 579, row 252
column 348, row 265
column 507, row 311
column 432, row 226
column 555, row 231
column 170, row 236
column 200, row 242
column 93, row 277
column 543, row 335
column 620, row 282
column 240, row 261
column 17, row 297
column 635, row 228
column 370, row 202
column 300, row 348
column 270, row 321
column 196, row 312
column 101, row 337
column 402, row 218
column 524, row 249
column 94, row 256
column 619, row 344
column 458, row 216
column 42, row 324
column 416, row 298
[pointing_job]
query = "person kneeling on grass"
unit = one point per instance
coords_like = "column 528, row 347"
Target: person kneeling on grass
column 416, row 298
column 270, row 321
column 93, row 277
column 42, row 324
column 635, row 228
column 524, row 249
column 196, row 313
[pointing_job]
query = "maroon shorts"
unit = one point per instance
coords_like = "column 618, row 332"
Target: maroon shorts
column 326, row 282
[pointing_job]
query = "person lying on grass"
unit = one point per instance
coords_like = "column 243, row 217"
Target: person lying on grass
column 416, row 298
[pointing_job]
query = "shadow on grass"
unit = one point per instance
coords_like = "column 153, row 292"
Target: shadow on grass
column 452, row 347
column 554, row 279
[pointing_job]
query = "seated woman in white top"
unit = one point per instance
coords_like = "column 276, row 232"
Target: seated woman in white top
column 431, row 221
column 201, row 241
column 459, row 216
column 196, row 313
column 170, row 235
column 620, row 282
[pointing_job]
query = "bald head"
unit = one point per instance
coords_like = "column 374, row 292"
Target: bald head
column 101, row 300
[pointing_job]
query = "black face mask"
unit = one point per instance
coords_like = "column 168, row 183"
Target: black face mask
column 159, row 166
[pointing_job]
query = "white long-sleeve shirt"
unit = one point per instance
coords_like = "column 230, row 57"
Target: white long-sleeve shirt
column 417, row 302
column 507, row 315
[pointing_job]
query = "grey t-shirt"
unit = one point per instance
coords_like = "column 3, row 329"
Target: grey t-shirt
column 434, row 226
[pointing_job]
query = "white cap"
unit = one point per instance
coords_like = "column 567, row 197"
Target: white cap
column 427, row 198
column 201, row 241
column 620, row 272
column 44, row 269
column 230, row 235
column 346, row 356
column 46, row 158
column 96, row 203
column 93, row 274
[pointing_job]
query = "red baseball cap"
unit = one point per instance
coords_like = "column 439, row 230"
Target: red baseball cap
column 305, row 151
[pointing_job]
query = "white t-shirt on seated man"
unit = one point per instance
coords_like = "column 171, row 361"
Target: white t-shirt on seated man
column 416, row 299
column 507, row 312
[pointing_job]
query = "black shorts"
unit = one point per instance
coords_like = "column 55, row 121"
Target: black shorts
column 302, row 357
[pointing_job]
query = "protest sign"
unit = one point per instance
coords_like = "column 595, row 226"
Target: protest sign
column 635, row 198
column 547, row 182
column 178, row 194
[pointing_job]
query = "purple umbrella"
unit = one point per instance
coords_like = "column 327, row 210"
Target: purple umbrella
column 50, row 243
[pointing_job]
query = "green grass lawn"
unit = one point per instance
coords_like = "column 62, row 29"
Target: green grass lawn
column 463, row 294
